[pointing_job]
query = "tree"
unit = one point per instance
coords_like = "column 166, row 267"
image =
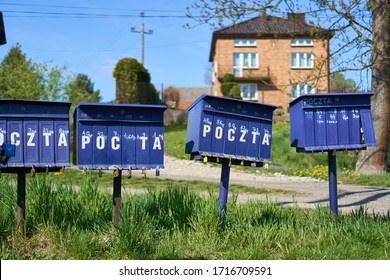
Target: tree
column 133, row 83
column 171, row 97
column 338, row 83
column 21, row 78
column 229, row 87
column 361, row 43
column 81, row 89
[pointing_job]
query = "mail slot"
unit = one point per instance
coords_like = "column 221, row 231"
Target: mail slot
column 221, row 128
column 124, row 136
column 337, row 121
column 38, row 130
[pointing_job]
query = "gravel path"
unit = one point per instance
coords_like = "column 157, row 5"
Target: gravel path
column 307, row 192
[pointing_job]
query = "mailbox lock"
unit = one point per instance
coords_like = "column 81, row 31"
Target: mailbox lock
column 116, row 172
column 47, row 169
column 85, row 171
column 100, row 172
column 32, row 171
column 157, row 171
column 143, row 172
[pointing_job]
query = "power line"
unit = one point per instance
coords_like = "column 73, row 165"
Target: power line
column 142, row 32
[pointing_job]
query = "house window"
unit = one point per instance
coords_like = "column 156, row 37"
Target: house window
column 244, row 61
column 302, row 60
column 245, row 43
column 301, row 42
column 300, row 89
column 248, row 91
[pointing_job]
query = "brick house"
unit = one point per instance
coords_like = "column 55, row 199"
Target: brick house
column 273, row 59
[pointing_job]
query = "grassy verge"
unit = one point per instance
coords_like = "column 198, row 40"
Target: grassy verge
column 176, row 223
column 286, row 160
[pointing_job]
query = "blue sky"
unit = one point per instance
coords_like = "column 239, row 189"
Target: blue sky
column 89, row 37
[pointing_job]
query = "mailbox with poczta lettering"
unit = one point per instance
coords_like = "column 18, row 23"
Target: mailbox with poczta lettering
column 34, row 136
column 124, row 136
column 229, row 131
column 38, row 132
column 117, row 137
column 331, row 122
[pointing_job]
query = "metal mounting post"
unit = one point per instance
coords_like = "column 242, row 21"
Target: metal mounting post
column 116, row 197
column 21, row 200
column 332, row 184
column 223, row 191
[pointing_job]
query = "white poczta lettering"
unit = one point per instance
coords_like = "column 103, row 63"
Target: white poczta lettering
column 219, row 132
column 115, row 143
column 84, row 141
column 100, row 143
column 62, row 140
column 1, row 138
column 157, row 144
column 143, row 140
column 15, row 138
column 243, row 134
column 265, row 139
column 30, row 142
column 206, row 129
column 47, row 136
column 231, row 134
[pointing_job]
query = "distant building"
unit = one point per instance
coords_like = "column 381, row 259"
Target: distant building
column 273, row 59
column 189, row 95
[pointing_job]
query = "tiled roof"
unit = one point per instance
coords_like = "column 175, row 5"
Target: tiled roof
column 270, row 25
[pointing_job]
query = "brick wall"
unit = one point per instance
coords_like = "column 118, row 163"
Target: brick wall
column 275, row 56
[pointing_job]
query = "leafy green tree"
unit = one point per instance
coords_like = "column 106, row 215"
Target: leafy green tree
column 229, row 87
column 81, row 89
column 133, row 83
column 21, row 78
column 338, row 83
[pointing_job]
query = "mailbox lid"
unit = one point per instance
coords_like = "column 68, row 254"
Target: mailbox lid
column 231, row 106
column 119, row 112
column 34, row 108
column 332, row 100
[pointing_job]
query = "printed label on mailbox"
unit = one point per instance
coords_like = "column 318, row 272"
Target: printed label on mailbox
column 15, row 137
column 46, row 139
column 100, row 146
column 128, row 147
column 85, row 144
column 32, row 145
column 320, row 127
column 62, row 138
column 265, row 146
column 157, row 143
column 231, row 133
column 206, row 127
column 217, row 143
column 344, row 127
column 142, row 146
column 256, row 134
column 242, row 138
column 114, row 132
column 309, row 127
column 332, row 127
column 355, row 133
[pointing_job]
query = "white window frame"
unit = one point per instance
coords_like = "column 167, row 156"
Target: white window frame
column 246, row 60
column 245, row 43
column 249, row 92
column 301, row 89
column 302, row 42
column 303, row 60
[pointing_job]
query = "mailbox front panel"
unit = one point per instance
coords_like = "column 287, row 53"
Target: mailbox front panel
column 124, row 136
column 35, row 128
column 227, row 128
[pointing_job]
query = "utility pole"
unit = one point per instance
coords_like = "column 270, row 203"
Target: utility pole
column 150, row 32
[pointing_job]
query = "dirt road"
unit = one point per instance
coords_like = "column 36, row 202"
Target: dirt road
column 308, row 192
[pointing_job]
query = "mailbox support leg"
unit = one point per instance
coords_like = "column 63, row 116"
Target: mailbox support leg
column 21, row 200
column 116, row 197
column 223, row 191
column 332, row 184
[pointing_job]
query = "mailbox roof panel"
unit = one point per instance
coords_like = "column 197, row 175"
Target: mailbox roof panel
column 27, row 108
column 227, row 105
column 332, row 99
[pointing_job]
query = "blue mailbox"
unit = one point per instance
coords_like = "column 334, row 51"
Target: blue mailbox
column 221, row 129
column 35, row 133
column 328, row 122
column 124, row 136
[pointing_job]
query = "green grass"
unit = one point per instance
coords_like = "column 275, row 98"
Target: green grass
column 176, row 223
column 286, row 160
